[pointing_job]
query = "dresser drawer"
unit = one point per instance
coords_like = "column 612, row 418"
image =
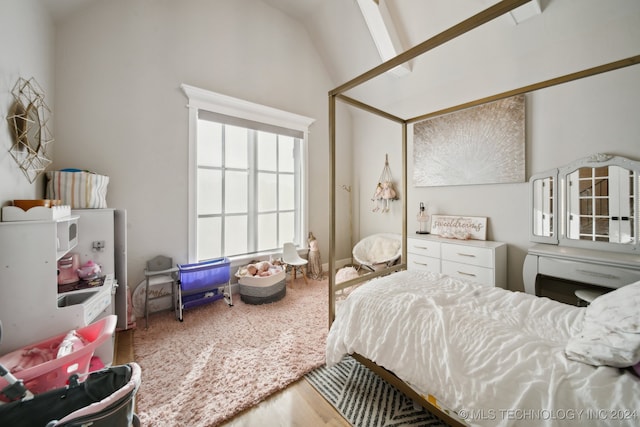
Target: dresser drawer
column 423, row 247
column 482, row 257
column 482, row 275
column 424, row 263
column 587, row 272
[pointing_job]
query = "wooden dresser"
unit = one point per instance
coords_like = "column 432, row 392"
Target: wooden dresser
column 481, row 261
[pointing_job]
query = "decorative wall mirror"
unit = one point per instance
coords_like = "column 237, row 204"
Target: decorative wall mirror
column 596, row 206
column 544, row 190
column 28, row 123
column 601, row 197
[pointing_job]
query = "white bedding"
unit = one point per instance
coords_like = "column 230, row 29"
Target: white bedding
column 495, row 357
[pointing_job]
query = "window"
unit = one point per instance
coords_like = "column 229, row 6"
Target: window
column 247, row 191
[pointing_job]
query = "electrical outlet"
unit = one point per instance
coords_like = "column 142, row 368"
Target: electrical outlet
column 98, row 245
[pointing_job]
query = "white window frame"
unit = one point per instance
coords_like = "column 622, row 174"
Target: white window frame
column 202, row 99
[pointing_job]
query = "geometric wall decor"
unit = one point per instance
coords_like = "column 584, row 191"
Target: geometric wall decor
column 28, row 124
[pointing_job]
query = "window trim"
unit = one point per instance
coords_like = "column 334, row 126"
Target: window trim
column 202, row 99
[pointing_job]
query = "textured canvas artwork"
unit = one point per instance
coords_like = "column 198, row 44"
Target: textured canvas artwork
column 479, row 145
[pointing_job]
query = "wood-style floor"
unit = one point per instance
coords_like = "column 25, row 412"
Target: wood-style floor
column 297, row 405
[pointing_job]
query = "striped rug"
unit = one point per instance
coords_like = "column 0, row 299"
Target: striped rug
column 366, row 400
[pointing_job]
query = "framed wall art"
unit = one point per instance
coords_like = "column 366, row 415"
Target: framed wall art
column 479, row 145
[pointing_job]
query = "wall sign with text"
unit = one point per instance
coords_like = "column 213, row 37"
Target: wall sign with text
column 459, row 227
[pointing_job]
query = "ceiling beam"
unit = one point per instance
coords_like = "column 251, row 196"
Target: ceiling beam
column 526, row 11
column 384, row 33
column 463, row 27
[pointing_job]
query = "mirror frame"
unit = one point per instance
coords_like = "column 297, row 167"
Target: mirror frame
column 553, row 239
column 596, row 161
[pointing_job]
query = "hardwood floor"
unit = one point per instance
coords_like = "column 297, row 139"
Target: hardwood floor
column 297, row 405
column 123, row 348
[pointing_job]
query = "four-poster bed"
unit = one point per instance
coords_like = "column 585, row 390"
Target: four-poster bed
column 432, row 284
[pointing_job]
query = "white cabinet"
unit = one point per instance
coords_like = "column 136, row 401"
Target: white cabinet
column 479, row 261
column 103, row 239
column 591, row 267
column 423, row 254
column 31, row 309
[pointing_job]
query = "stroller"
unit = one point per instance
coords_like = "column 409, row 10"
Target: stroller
column 105, row 399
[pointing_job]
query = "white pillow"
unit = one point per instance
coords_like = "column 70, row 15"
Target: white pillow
column 611, row 330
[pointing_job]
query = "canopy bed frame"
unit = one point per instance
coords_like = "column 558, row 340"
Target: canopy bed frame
column 338, row 94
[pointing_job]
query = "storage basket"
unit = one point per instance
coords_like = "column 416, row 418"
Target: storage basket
column 78, row 189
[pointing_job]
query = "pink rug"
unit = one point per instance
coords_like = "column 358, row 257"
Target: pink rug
column 222, row 360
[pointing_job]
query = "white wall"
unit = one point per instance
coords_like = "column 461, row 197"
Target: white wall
column 26, row 51
column 345, row 191
column 120, row 111
column 562, row 124
column 377, row 141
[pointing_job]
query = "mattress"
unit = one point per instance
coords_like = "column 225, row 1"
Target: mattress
column 493, row 356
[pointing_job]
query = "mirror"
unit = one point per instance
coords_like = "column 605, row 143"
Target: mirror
column 26, row 126
column 592, row 203
column 600, row 204
column 543, row 189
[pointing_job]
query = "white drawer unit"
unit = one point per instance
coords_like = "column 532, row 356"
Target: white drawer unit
column 480, row 261
column 423, row 247
column 423, row 254
column 591, row 267
column 585, row 272
column 470, row 272
column 421, row 262
column 465, row 254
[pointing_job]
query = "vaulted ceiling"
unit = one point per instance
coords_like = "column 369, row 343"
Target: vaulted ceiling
column 339, row 30
column 341, row 34
column 518, row 50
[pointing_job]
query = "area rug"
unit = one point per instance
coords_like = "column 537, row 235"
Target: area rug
column 221, row 360
column 365, row 399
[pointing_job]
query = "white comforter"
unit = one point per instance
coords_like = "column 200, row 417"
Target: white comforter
column 495, row 357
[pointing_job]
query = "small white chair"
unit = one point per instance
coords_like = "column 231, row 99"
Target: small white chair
column 291, row 259
column 159, row 270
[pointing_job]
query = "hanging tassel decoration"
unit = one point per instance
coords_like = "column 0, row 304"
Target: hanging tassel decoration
column 384, row 192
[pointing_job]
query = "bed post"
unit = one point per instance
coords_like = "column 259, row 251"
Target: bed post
column 332, row 204
column 405, row 192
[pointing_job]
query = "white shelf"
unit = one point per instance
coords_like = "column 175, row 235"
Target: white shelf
column 36, row 213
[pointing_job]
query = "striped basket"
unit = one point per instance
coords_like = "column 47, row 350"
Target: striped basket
column 78, row 189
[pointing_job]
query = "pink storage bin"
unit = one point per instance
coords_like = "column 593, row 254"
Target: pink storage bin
column 54, row 372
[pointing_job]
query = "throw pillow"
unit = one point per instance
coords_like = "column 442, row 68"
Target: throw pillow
column 611, row 330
